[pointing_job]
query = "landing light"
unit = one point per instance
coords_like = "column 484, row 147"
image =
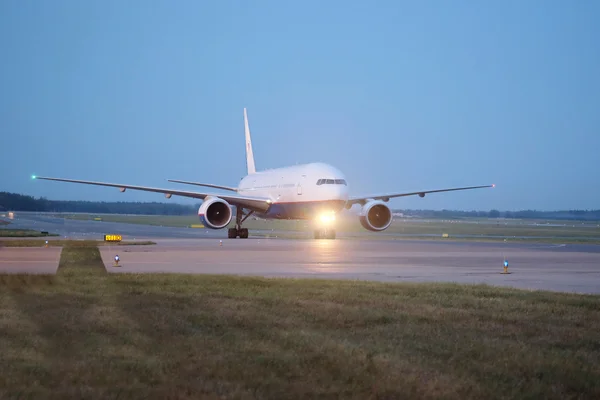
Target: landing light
column 327, row 218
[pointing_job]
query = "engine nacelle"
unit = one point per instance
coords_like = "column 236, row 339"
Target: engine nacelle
column 215, row 213
column 375, row 216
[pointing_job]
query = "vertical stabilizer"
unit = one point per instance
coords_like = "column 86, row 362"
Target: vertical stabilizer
column 249, row 153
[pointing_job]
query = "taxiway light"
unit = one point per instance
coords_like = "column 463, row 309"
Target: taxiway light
column 117, row 258
column 506, row 267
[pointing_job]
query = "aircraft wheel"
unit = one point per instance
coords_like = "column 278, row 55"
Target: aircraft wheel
column 244, row 233
column 232, row 233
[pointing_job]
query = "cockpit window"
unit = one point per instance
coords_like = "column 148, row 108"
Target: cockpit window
column 331, row 182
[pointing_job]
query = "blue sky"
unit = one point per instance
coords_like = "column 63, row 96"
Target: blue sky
column 398, row 95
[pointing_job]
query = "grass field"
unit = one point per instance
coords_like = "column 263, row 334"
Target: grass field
column 488, row 229
column 86, row 333
column 23, row 233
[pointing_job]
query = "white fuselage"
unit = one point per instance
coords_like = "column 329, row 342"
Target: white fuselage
column 298, row 192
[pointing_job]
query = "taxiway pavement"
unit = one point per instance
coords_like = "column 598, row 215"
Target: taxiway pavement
column 29, row 260
column 567, row 268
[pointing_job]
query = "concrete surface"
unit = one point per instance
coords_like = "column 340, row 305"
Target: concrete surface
column 29, row 260
column 549, row 267
column 562, row 267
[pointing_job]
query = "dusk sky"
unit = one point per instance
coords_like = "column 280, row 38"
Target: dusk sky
column 400, row 96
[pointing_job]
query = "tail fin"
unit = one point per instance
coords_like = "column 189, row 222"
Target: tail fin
column 249, row 153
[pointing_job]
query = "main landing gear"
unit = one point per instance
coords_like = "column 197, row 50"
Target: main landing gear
column 325, row 233
column 232, row 233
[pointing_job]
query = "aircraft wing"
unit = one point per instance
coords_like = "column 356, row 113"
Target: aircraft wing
column 231, row 189
column 258, row 204
column 386, row 197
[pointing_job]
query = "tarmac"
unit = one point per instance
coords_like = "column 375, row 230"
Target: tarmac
column 556, row 267
column 28, row 260
column 534, row 267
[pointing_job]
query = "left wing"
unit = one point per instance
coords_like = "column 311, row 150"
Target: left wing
column 386, row 197
column 259, row 204
column 231, row 189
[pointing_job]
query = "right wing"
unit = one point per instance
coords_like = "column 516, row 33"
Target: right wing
column 422, row 193
column 231, row 189
column 259, row 204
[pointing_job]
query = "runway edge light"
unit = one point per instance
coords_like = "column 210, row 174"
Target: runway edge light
column 506, row 267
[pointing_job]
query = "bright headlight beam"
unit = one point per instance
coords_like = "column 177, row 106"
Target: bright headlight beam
column 326, row 218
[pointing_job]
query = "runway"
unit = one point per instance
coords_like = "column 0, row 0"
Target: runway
column 566, row 267
column 547, row 267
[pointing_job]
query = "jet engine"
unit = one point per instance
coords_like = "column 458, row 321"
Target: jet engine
column 215, row 213
column 375, row 216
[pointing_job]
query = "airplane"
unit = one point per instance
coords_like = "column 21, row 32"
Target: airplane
column 313, row 191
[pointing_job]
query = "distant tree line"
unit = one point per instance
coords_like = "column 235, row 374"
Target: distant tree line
column 19, row 202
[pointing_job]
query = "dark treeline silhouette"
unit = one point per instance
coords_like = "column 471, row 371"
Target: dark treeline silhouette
column 18, row 202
